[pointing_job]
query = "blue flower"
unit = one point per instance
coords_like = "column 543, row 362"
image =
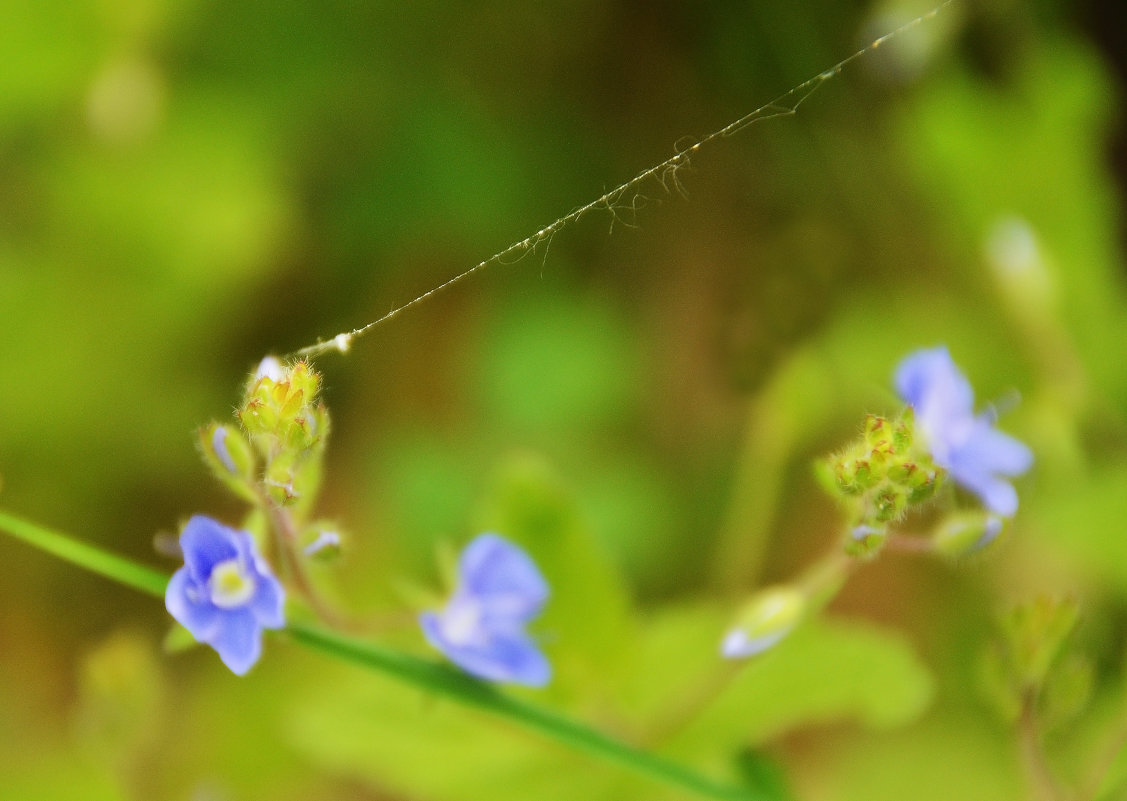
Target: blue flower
column 978, row 457
column 481, row 629
column 225, row 594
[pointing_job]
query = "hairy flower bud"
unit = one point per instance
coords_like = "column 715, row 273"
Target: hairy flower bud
column 280, row 408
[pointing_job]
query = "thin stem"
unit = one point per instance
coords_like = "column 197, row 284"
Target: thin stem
column 285, row 546
column 90, row 557
column 430, row 676
column 447, row 681
column 1045, row 785
column 823, row 580
column 909, row 544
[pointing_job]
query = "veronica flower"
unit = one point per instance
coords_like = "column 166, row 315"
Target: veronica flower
column 980, row 458
column 481, row 628
column 225, row 594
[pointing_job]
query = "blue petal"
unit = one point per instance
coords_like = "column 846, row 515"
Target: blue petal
column 205, row 544
column 269, row 598
column 997, row 494
column 520, row 662
column 933, row 385
column 189, row 604
column 511, row 657
column 502, row 577
column 990, row 533
column 238, row 640
column 978, row 457
column 998, row 452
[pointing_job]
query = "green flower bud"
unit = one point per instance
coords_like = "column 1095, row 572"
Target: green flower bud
column 888, row 503
column 865, row 540
column 230, row 457
column 965, row 533
column 321, row 542
column 882, row 470
column 280, row 409
column 922, row 482
column 767, row 617
column 279, row 479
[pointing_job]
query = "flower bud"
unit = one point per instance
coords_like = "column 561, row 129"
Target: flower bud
column 888, row 503
column 881, row 474
column 1018, row 263
column 766, row 618
column 922, row 482
column 229, row 456
column 865, row 540
column 270, row 367
column 965, row 533
column 279, row 480
column 280, row 410
column 323, row 542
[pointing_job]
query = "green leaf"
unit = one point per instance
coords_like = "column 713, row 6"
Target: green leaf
column 825, row 671
column 1085, row 517
column 446, row 681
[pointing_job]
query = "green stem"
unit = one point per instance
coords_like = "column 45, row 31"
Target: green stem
column 434, row 677
column 447, row 681
column 89, row 557
column 1044, row 784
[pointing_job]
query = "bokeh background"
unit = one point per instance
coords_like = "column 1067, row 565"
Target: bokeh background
column 187, row 186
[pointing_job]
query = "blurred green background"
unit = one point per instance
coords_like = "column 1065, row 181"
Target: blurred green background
column 187, row 186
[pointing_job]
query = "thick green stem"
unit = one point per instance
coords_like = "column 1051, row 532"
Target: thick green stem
column 434, row 677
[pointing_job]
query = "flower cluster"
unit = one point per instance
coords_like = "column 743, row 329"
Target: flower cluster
column 897, row 464
column 879, row 477
column 226, row 595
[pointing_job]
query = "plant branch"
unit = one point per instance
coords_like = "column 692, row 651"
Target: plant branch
column 430, row 676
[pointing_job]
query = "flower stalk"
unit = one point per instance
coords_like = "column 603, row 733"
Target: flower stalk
column 428, row 676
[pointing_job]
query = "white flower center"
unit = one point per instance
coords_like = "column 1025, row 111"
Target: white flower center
column 230, row 585
column 461, row 622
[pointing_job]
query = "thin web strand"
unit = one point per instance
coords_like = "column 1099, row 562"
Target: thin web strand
column 620, row 210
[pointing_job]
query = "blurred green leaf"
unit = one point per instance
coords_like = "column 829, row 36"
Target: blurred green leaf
column 825, row 671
